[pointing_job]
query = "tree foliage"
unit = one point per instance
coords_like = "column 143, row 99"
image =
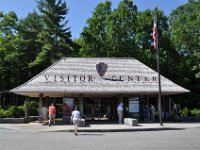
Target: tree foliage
column 121, row 30
column 185, row 36
column 185, row 28
column 55, row 36
column 29, row 30
column 110, row 33
column 94, row 36
column 10, row 49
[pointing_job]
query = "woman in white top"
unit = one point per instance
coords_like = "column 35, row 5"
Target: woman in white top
column 76, row 119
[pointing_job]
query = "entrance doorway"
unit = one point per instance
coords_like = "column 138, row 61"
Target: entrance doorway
column 100, row 108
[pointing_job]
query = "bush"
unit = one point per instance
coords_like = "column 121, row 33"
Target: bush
column 12, row 112
column 33, row 108
column 184, row 112
column 195, row 112
column 6, row 112
column 18, row 112
column 2, row 113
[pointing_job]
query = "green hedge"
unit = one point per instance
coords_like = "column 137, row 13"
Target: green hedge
column 12, row 112
column 18, row 111
column 185, row 112
column 195, row 112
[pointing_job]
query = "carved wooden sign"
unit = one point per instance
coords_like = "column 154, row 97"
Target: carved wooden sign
column 101, row 68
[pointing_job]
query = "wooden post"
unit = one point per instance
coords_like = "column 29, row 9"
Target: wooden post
column 40, row 107
column 26, row 108
column 163, row 108
column 81, row 104
column 170, row 107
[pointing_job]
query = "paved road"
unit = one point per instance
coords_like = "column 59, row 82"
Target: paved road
column 187, row 139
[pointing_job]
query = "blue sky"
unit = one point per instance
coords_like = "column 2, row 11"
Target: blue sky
column 81, row 10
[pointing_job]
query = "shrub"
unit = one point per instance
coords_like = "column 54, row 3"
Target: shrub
column 33, row 108
column 18, row 112
column 184, row 112
column 6, row 112
column 195, row 112
column 12, row 112
column 1, row 113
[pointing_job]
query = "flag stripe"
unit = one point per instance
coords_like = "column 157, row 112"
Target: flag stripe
column 154, row 32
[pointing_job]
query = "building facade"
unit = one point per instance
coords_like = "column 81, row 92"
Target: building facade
column 97, row 85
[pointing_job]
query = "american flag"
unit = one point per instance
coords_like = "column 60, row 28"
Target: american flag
column 154, row 32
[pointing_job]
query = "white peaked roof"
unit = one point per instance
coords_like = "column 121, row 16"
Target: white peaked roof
column 79, row 76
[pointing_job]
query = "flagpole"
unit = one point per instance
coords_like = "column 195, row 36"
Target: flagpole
column 158, row 69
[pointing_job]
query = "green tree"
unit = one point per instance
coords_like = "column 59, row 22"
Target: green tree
column 56, row 37
column 184, row 25
column 110, row 33
column 122, row 30
column 143, row 36
column 10, row 50
column 93, row 38
column 29, row 31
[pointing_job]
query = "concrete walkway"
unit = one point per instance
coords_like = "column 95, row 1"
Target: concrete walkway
column 36, row 127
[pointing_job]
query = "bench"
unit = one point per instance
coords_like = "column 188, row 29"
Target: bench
column 131, row 121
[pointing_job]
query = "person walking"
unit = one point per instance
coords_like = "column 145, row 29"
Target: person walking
column 76, row 119
column 52, row 113
column 120, row 113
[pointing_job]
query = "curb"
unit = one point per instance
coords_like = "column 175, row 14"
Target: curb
column 117, row 130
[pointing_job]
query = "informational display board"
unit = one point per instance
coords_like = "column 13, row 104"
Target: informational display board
column 68, row 104
column 134, row 105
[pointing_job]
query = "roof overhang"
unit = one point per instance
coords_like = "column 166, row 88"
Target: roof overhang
column 97, row 77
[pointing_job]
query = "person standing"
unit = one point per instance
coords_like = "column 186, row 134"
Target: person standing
column 174, row 112
column 152, row 108
column 120, row 113
column 52, row 114
column 174, row 109
column 76, row 119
